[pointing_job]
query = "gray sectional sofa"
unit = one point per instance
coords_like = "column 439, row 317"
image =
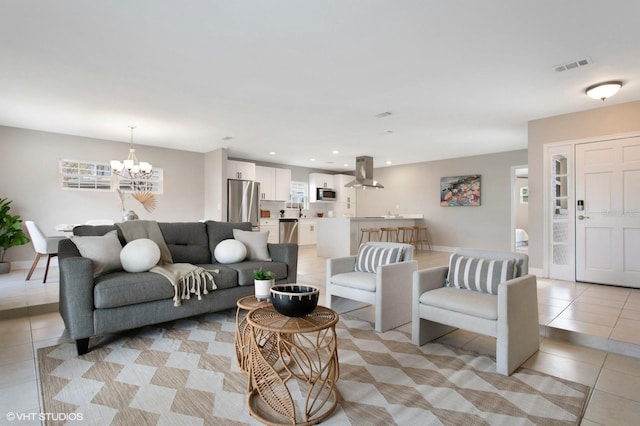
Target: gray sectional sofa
column 121, row 300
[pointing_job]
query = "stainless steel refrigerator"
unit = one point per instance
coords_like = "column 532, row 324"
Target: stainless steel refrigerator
column 243, row 202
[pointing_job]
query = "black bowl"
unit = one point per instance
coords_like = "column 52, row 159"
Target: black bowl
column 294, row 300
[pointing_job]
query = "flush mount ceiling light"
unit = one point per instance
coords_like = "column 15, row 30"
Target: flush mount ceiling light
column 130, row 168
column 603, row 90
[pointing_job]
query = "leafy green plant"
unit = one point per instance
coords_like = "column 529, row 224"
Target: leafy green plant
column 260, row 274
column 11, row 234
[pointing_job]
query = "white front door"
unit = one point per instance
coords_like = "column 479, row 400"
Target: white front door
column 608, row 212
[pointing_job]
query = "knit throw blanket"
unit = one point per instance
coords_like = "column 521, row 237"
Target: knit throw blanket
column 185, row 278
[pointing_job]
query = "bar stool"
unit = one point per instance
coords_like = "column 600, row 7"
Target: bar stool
column 391, row 233
column 421, row 235
column 406, row 232
column 369, row 232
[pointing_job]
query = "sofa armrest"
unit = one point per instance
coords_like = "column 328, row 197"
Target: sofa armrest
column 76, row 296
column 286, row 253
column 340, row 265
column 66, row 248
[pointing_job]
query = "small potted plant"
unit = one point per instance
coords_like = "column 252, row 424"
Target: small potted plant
column 11, row 234
column 263, row 281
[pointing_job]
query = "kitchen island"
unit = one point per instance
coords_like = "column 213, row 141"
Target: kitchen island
column 340, row 237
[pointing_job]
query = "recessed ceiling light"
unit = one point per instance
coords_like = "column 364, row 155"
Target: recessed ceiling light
column 272, row 153
column 312, row 159
column 335, row 152
column 346, row 164
column 389, row 163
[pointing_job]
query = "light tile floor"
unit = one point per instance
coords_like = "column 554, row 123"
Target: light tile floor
column 589, row 334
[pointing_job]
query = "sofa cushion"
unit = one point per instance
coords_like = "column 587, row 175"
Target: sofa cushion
column 125, row 288
column 220, row 231
column 188, row 242
column 255, row 242
column 245, row 270
column 139, row 255
column 474, row 303
column 104, row 251
column 358, row 280
column 370, row 257
column 477, row 274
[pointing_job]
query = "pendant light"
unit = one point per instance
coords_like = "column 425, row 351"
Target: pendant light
column 130, row 168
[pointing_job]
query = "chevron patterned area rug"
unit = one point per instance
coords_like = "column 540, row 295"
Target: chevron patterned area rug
column 186, row 373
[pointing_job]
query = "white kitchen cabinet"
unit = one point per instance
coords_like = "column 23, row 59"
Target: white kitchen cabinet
column 241, row 170
column 283, row 184
column 345, row 205
column 307, row 232
column 273, row 226
column 344, row 195
column 319, row 180
column 275, row 184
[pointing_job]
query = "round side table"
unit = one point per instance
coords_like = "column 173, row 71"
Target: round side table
column 242, row 336
column 292, row 355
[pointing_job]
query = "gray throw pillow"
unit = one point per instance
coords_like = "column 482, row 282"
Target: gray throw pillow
column 481, row 275
column 104, row 251
column 370, row 257
column 255, row 242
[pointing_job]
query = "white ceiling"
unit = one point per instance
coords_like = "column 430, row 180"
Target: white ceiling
column 304, row 78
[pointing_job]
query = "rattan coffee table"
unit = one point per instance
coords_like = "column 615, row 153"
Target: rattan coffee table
column 243, row 335
column 292, row 357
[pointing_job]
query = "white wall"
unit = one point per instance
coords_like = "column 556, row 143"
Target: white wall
column 29, row 175
column 415, row 188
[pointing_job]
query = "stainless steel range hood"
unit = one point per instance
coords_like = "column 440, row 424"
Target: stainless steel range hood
column 364, row 174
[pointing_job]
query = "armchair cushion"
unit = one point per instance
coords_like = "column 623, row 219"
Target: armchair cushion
column 473, row 303
column 477, row 274
column 370, row 257
column 358, row 280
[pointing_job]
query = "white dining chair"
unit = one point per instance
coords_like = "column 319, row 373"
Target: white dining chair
column 43, row 245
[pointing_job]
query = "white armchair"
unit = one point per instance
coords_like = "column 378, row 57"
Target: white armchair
column 511, row 315
column 388, row 289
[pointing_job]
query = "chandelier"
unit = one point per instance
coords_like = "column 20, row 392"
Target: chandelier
column 130, row 168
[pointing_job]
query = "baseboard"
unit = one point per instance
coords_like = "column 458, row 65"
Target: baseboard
column 29, row 311
column 26, row 264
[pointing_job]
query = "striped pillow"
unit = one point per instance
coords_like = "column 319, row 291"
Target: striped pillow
column 482, row 275
column 370, row 257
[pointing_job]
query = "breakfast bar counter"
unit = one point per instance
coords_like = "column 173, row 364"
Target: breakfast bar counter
column 340, row 237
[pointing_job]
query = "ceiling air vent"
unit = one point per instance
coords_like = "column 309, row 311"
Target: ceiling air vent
column 573, row 65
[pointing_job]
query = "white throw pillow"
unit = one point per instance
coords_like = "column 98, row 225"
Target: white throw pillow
column 140, row 255
column 255, row 242
column 230, row 251
column 104, row 251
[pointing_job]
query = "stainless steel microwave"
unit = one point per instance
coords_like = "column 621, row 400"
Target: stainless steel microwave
column 324, row 194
